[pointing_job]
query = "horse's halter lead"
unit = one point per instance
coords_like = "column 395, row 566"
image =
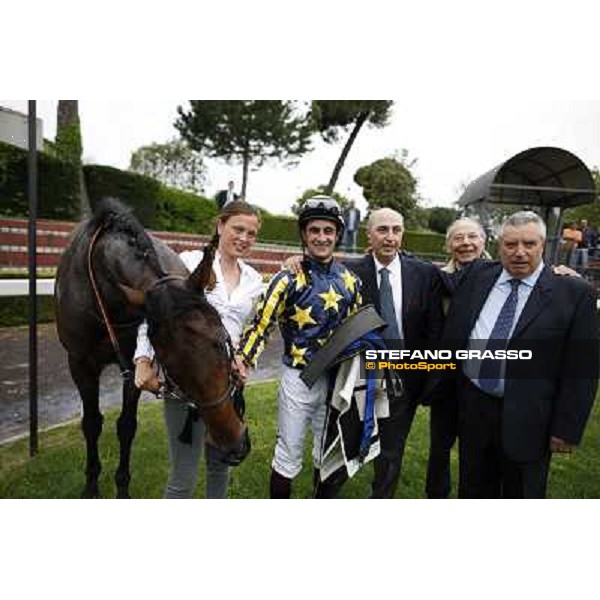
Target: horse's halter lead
column 168, row 387
column 124, row 365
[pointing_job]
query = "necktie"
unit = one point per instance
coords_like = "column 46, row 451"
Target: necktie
column 489, row 374
column 388, row 310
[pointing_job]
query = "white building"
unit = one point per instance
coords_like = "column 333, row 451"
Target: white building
column 14, row 129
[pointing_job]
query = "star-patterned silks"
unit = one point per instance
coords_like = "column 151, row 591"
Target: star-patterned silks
column 302, row 316
column 308, row 306
column 300, row 280
column 297, row 355
column 331, row 298
column 349, row 280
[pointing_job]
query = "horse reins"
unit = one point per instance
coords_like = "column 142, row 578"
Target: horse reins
column 126, row 372
column 171, row 390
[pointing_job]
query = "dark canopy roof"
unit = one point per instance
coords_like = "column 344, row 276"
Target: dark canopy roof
column 542, row 176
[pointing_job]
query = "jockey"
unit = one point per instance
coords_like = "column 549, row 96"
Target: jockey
column 308, row 307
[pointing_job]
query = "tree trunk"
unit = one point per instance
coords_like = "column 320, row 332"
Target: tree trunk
column 67, row 113
column 362, row 117
column 245, row 165
column 69, row 145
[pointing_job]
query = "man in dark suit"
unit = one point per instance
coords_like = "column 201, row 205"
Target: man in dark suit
column 224, row 197
column 404, row 287
column 511, row 420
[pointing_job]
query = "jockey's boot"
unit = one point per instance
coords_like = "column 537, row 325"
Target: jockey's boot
column 280, row 487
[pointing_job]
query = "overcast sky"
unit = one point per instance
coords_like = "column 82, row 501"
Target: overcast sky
column 454, row 141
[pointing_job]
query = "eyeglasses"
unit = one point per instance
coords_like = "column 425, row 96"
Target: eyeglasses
column 469, row 237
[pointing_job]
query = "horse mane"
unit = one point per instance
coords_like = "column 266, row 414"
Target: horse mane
column 113, row 215
column 167, row 302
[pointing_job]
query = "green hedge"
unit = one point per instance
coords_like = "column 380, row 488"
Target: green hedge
column 58, row 185
column 14, row 310
column 141, row 193
column 279, row 229
column 185, row 212
column 157, row 206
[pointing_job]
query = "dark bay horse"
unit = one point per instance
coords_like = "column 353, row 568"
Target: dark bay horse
column 114, row 272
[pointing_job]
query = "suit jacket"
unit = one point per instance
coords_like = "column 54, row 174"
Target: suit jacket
column 559, row 311
column 422, row 316
column 221, row 198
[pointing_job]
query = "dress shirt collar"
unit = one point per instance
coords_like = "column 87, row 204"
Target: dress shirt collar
column 529, row 281
column 393, row 267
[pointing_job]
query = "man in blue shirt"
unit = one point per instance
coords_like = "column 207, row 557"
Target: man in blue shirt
column 511, row 420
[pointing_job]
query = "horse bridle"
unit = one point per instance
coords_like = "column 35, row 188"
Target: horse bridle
column 168, row 387
column 124, row 365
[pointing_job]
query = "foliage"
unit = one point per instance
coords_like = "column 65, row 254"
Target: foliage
column 245, row 131
column 417, row 219
column 590, row 211
column 388, row 182
column 58, row 185
column 173, row 163
column 299, row 202
column 440, row 218
column 184, row 212
column 332, row 117
column 58, row 470
column 14, row 310
column 67, row 144
column 139, row 192
column 279, row 229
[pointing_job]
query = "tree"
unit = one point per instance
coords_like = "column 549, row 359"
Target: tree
column 331, row 117
column 68, row 147
column 388, row 182
column 173, row 163
column 320, row 190
column 67, row 144
column 440, row 217
column 591, row 211
column 246, row 131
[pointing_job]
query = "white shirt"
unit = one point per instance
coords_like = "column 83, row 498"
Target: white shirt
column 234, row 309
column 395, row 269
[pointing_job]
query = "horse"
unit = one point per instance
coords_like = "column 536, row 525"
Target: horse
column 112, row 276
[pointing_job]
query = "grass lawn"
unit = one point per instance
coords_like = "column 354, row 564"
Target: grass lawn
column 57, row 471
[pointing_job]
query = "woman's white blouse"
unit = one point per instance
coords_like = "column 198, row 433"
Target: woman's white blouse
column 234, row 309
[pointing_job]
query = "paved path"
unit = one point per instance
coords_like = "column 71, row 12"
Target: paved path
column 58, row 400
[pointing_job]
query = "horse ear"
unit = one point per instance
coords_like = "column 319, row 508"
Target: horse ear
column 134, row 297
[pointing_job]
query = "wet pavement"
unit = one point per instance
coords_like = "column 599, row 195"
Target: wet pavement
column 58, row 399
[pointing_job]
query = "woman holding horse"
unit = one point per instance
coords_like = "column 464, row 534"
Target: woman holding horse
column 237, row 287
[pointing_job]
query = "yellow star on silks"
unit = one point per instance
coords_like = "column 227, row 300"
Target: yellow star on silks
column 331, row 298
column 302, row 316
column 297, row 355
column 349, row 281
column 322, row 341
column 300, row 280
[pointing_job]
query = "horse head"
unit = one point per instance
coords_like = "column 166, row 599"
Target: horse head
column 194, row 350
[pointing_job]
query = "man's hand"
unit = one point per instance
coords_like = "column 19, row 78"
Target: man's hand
column 293, row 263
column 240, row 369
column 146, row 375
column 560, row 446
column 564, row 270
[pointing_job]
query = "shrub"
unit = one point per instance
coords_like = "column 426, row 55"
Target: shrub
column 14, row 310
column 58, row 185
column 185, row 212
column 139, row 192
